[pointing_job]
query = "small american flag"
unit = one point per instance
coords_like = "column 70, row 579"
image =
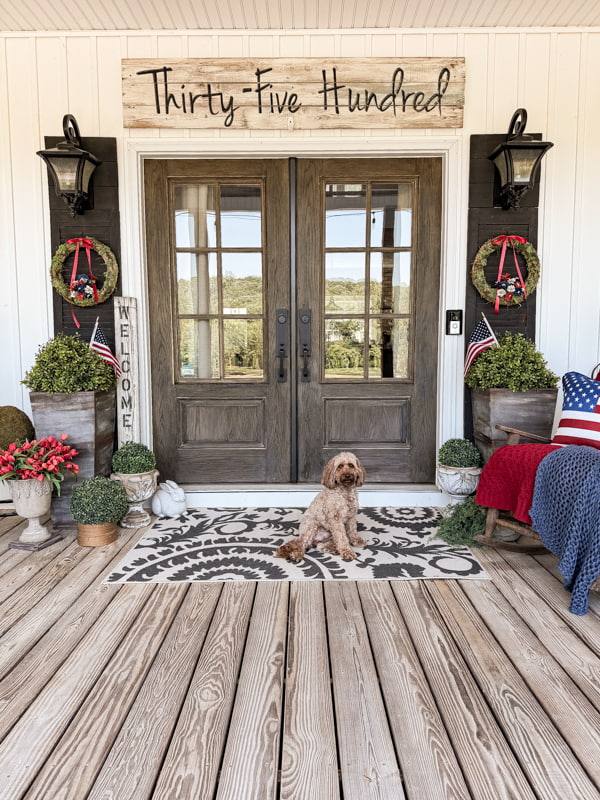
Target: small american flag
column 481, row 338
column 580, row 418
column 99, row 343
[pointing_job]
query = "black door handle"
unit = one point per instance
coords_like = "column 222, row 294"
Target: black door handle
column 282, row 343
column 305, row 344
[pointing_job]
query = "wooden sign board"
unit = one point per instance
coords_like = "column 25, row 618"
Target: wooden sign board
column 293, row 94
column 126, row 350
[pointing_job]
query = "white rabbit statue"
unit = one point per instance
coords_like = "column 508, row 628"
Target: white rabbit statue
column 169, row 500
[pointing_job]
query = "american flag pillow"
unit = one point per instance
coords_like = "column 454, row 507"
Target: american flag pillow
column 580, row 418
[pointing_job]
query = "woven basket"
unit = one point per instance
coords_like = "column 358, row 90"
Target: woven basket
column 96, row 535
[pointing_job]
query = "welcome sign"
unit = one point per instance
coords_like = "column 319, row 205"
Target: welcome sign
column 293, row 94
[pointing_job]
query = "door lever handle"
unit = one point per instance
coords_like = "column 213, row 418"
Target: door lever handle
column 282, row 343
column 305, row 344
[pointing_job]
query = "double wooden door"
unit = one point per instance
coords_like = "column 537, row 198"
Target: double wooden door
column 293, row 314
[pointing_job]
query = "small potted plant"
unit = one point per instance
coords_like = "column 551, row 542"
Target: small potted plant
column 97, row 505
column 71, row 388
column 458, row 469
column 512, row 385
column 134, row 466
column 32, row 470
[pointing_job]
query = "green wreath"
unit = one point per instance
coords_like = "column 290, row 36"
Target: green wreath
column 98, row 295
column 490, row 293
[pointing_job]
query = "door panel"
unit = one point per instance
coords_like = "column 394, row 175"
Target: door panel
column 368, row 254
column 217, row 245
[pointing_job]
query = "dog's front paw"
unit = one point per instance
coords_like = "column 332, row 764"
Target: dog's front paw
column 347, row 554
column 358, row 542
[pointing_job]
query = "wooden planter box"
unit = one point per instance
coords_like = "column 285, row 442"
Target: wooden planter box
column 89, row 420
column 531, row 411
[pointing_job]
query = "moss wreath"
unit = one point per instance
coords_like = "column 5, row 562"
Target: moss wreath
column 522, row 246
column 110, row 276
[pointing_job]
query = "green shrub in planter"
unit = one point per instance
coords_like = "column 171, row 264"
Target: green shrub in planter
column 514, row 364
column 67, row 364
column 465, row 521
column 98, row 500
column 459, row 453
column 132, row 458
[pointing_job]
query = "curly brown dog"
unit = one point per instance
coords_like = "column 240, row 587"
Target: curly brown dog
column 330, row 519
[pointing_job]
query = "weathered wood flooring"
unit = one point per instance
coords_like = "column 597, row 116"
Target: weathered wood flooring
column 427, row 690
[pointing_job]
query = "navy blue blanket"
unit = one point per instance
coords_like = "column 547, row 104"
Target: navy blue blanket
column 566, row 514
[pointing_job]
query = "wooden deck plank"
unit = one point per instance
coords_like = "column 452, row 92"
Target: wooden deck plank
column 427, row 760
column 30, row 742
column 57, row 603
column 250, row 762
column 77, row 757
column 545, row 757
column 488, row 763
column 556, row 597
column 574, row 716
column 309, row 765
column 20, row 573
column 368, row 761
column 134, row 762
column 554, row 630
column 550, row 562
column 39, row 589
column 194, row 756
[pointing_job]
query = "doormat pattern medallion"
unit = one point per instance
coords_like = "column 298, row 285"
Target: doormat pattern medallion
column 239, row 544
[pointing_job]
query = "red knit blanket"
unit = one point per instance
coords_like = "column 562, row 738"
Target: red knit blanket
column 508, row 478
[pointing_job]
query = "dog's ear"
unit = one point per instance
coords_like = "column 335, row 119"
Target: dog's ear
column 328, row 477
column 362, row 473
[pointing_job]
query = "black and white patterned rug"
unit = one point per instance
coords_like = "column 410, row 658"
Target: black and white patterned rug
column 239, row 544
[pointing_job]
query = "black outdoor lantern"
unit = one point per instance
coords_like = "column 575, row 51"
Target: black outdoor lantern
column 517, row 160
column 71, row 167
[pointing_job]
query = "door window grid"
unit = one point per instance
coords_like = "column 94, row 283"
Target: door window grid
column 364, row 236
column 220, row 279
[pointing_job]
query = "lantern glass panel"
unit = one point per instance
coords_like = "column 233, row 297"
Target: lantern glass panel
column 524, row 161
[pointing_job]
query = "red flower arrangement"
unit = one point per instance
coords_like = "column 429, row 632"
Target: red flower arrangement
column 38, row 459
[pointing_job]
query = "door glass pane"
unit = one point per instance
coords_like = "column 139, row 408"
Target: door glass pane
column 195, row 215
column 243, row 348
column 388, row 348
column 241, row 216
column 197, row 290
column 242, row 283
column 198, row 348
column 391, row 214
column 344, row 348
column 344, row 283
column 390, row 283
column 345, row 215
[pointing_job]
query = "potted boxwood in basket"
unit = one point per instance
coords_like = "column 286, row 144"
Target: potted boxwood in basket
column 458, row 469
column 134, row 467
column 511, row 385
column 72, row 389
column 97, row 505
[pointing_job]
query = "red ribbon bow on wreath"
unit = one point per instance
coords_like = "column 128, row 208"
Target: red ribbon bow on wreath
column 504, row 240
column 87, row 244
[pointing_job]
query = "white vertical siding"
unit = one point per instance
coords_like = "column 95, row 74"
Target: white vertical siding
column 549, row 72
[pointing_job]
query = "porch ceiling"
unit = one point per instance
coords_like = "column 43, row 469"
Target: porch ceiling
column 99, row 15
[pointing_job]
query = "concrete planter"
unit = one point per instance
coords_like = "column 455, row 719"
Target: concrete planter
column 89, row 420
column 457, row 482
column 531, row 411
column 139, row 487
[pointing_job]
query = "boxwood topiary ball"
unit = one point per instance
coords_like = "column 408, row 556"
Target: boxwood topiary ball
column 132, row 458
column 15, row 426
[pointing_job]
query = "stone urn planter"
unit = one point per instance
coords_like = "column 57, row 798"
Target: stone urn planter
column 458, row 469
column 32, row 500
column 139, row 487
column 134, row 467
